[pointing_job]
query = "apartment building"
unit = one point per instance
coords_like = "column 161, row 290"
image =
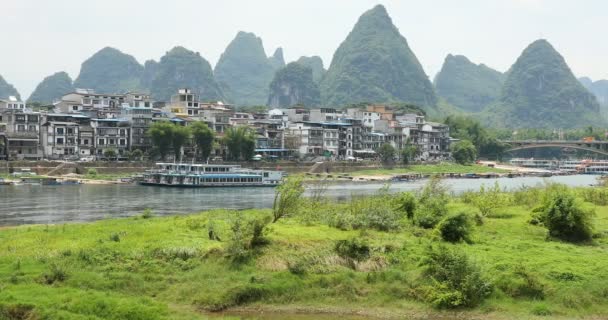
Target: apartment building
column 11, row 103
column 20, row 129
column 111, row 134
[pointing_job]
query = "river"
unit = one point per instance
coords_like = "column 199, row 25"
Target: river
column 35, row 204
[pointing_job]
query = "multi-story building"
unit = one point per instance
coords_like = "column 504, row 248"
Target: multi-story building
column 11, row 103
column 66, row 135
column 101, row 105
column 140, row 119
column 111, row 134
column 21, row 129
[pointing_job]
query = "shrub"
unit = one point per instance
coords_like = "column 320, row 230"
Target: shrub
column 597, row 196
column 431, row 211
column 246, row 235
column 287, row 197
column 17, row 311
column 147, row 214
column 488, row 199
column 356, row 249
column 258, row 233
column 456, row 282
column 455, row 227
column 55, row 274
column 522, row 283
column 92, row 172
column 566, row 220
column 433, row 201
column 115, row 237
column 407, row 203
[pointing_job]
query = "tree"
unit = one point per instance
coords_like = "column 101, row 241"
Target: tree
column 240, row 142
column 136, row 154
column 162, row 137
column 110, row 154
column 386, row 153
column 408, row 153
column 287, row 197
column 203, row 138
column 180, row 136
column 464, row 152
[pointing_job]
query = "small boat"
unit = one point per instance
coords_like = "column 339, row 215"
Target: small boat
column 5, row 183
column 471, row 176
column 209, row 175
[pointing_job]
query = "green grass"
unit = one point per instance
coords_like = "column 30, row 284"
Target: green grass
column 107, row 176
column 430, row 169
column 168, row 268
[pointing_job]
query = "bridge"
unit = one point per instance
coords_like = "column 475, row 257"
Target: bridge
column 600, row 147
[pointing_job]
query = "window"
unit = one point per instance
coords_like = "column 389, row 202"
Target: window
column 111, row 141
column 60, row 130
column 86, row 141
column 123, row 142
column 59, row 140
column 70, row 130
column 74, row 108
column 20, row 128
column 101, row 142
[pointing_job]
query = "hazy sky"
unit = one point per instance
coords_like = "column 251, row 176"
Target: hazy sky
column 40, row 37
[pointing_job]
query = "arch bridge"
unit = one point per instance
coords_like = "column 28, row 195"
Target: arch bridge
column 599, row 147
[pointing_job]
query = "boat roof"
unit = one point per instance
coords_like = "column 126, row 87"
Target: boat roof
column 213, row 175
column 198, row 165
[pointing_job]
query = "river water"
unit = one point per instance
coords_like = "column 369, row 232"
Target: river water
column 35, row 204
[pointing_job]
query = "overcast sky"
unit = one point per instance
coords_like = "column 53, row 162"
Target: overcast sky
column 40, row 37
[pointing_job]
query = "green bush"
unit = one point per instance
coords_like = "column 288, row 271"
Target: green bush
column 407, row 203
column 455, row 227
column 456, row 282
column 18, row 311
column 431, row 211
column 566, row 219
column 55, row 274
column 147, row 214
column 356, row 249
column 597, row 196
column 92, row 172
column 432, row 204
column 522, row 283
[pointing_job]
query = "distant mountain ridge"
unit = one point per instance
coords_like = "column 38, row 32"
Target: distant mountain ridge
column 245, row 71
column 375, row 64
column 7, row 90
column 466, row 85
column 110, row 71
column 294, row 85
column 52, row 88
column 541, row 91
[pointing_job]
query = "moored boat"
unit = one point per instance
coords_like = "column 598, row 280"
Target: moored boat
column 209, row 175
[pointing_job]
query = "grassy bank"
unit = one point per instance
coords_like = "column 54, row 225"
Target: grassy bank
column 363, row 256
column 429, row 169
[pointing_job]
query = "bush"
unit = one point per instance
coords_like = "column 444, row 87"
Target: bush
column 488, row 199
column 356, row 249
column 432, row 204
column 92, row 172
column 55, row 274
column 246, row 235
column 17, row 311
column 287, row 197
column 566, row 220
column 597, row 196
column 455, row 227
column 522, row 283
column 431, row 211
column 456, row 282
column 147, row 214
column 407, row 203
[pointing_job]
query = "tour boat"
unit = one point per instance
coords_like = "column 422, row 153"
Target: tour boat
column 209, row 175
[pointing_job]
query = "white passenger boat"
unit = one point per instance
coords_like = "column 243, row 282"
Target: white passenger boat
column 209, row 175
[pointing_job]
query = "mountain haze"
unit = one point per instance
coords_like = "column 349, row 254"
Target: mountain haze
column 599, row 88
column 52, row 88
column 277, row 60
column 375, row 64
column 466, row 85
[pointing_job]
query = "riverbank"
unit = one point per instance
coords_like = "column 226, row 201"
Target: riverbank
column 187, row 267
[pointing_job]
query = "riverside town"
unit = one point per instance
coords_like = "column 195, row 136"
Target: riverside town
column 349, row 160
column 89, row 125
